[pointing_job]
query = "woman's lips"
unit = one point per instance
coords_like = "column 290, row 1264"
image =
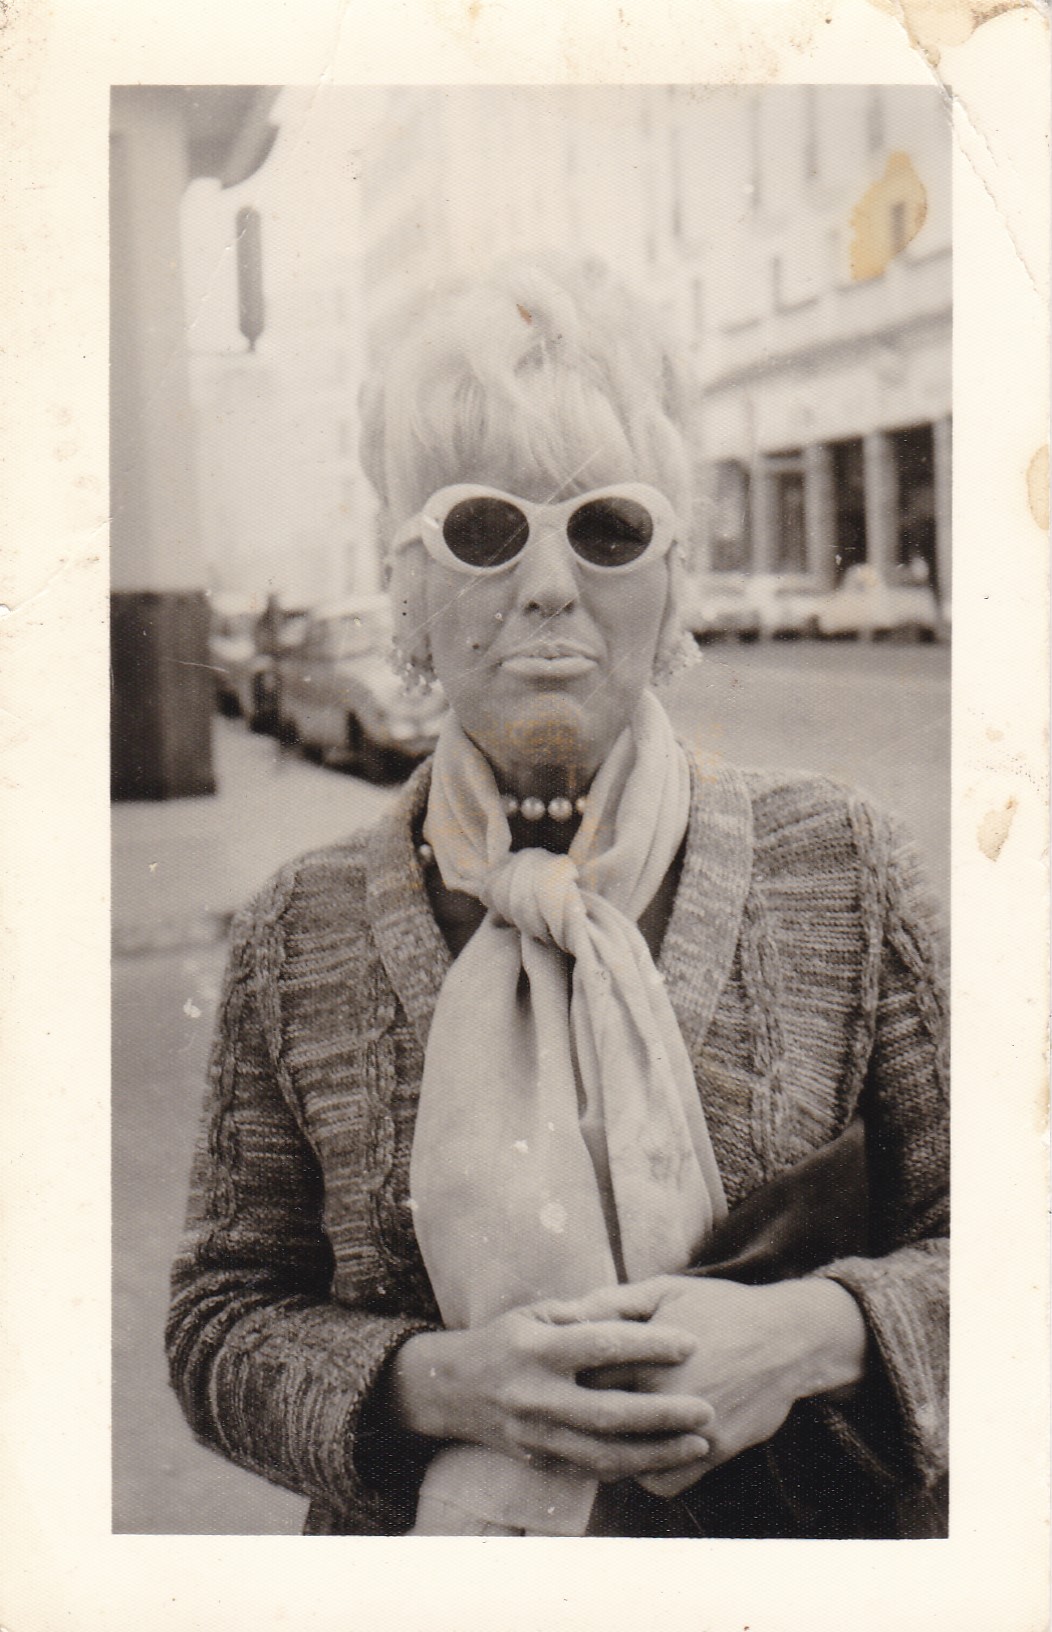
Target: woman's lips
column 549, row 663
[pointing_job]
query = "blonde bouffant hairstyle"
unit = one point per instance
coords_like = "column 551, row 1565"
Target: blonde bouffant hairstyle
column 548, row 371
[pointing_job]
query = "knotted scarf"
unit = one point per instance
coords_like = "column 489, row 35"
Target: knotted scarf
column 560, row 1141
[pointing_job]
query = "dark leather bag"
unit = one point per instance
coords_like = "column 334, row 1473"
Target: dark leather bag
column 814, row 1212
column 799, row 1484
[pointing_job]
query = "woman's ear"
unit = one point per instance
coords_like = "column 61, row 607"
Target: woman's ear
column 676, row 647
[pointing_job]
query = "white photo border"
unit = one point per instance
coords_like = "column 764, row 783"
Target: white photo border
column 64, row 1566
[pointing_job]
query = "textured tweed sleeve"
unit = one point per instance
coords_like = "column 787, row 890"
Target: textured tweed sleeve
column 269, row 1370
column 897, row 1424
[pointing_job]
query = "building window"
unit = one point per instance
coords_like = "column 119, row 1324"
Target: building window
column 913, row 450
column 730, row 546
column 790, row 544
column 850, row 487
column 811, row 155
column 755, row 157
column 676, row 181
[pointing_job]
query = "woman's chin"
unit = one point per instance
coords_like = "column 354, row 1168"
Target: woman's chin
column 549, row 728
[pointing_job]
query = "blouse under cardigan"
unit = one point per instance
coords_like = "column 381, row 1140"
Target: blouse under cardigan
column 802, row 959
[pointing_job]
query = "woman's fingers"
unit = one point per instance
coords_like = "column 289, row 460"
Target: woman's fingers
column 610, row 1459
column 613, row 1377
column 677, row 1480
column 636, row 1302
column 617, row 1415
column 593, row 1344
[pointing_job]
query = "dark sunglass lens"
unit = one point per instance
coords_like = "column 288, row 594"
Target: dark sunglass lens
column 485, row 532
column 610, row 532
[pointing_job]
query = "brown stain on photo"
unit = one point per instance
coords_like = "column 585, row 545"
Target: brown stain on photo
column 932, row 25
column 1037, row 487
column 887, row 217
column 995, row 828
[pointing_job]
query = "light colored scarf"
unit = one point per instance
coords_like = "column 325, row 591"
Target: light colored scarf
column 560, row 1141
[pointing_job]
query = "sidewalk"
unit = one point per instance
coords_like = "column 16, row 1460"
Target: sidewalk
column 182, row 868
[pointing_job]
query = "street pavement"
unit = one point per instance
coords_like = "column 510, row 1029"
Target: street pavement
column 181, row 868
column 875, row 715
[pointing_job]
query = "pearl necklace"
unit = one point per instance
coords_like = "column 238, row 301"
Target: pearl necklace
column 531, row 809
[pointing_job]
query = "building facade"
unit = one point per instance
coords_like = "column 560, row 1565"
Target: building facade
column 818, row 270
column 286, row 510
column 457, row 177
column 798, row 239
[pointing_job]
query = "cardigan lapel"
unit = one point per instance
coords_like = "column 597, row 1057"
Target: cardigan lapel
column 702, row 935
column 699, row 943
column 411, row 945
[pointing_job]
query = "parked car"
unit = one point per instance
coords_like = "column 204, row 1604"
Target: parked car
column 716, row 604
column 279, row 633
column 785, row 604
column 867, row 605
column 232, row 645
column 340, row 698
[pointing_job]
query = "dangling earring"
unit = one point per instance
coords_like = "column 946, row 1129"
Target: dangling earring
column 413, row 668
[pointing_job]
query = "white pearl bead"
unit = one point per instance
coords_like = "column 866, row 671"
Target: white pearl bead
column 532, row 809
column 511, row 805
column 426, row 854
column 580, row 804
column 560, row 809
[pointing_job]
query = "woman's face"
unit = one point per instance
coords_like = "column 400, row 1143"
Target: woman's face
column 545, row 662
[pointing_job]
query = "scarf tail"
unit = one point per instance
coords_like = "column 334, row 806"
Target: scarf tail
column 469, row 1487
column 549, row 1127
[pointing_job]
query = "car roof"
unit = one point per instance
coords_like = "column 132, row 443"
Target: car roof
column 234, row 603
column 355, row 607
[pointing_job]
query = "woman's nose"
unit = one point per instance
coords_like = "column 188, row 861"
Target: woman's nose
column 545, row 576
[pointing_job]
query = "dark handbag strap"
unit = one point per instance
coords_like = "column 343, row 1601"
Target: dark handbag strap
column 814, row 1212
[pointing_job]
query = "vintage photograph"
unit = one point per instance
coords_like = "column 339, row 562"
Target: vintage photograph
column 531, row 608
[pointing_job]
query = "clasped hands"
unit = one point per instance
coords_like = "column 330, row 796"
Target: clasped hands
column 660, row 1381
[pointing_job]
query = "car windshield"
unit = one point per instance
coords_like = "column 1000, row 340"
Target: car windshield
column 293, row 631
column 360, row 632
column 236, row 626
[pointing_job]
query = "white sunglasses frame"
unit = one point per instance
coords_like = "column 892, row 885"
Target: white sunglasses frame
column 427, row 525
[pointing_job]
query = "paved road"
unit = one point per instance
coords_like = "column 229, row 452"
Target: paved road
column 875, row 715
column 878, row 716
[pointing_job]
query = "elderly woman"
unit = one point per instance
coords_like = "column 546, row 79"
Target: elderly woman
column 576, row 1154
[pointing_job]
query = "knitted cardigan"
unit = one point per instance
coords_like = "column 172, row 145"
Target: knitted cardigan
column 802, row 961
